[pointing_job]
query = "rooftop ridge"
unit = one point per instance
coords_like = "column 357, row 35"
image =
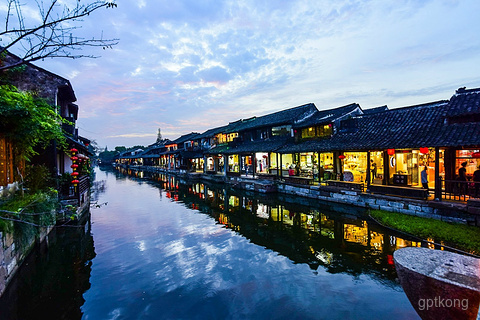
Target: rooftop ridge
column 464, row 90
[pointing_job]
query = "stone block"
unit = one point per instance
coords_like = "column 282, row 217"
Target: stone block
column 409, row 212
column 439, row 278
column 386, row 208
column 381, row 202
column 11, row 266
column 427, row 210
column 396, row 204
column 414, row 207
column 350, row 193
column 8, row 240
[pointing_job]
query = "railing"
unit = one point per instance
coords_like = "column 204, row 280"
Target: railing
column 67, row 192
column 460, row 190
column 84, row 184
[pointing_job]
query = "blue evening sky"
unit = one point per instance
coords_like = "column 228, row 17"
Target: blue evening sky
column 189, row 65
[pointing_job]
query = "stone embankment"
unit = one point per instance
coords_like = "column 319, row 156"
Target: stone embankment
column 467, row 213
column 15, row 249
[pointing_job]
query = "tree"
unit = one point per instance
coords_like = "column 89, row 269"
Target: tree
column 53, row 36
column 28, row 121
column 159, row 135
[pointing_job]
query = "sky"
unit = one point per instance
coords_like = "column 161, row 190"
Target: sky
column 190, row 65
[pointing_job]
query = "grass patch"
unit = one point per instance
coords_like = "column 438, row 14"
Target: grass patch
column 460, row 236
column 32, row 208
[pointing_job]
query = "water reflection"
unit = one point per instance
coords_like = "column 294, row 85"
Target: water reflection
column 340, row 238
column 167, row 248
column 53, row 278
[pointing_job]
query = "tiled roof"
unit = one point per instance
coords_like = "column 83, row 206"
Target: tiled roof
column 210, row 132
column 268, row 145
column 375, row 110
column 464, row 102
column 409, row 127
column 288, row 116
column 186, row 137
column 327, row 116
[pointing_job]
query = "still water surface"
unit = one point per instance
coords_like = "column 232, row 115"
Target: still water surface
column 160, row 249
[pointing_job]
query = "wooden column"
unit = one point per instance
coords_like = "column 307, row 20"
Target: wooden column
column 368, row 175
column 438, row 181
column 225, row 164
column 279, row 165
column 254, row 164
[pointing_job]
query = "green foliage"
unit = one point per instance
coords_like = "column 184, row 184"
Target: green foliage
column 28, row 121
column 458, row 235
column 37, row 178
column 119, row 149
column 36, row 209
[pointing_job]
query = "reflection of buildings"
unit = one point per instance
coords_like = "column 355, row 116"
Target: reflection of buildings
column 341, row 242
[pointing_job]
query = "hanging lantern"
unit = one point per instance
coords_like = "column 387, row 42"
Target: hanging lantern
column 341, row 157
column 74, row 158
column 74, row 166
column 73, row 150
column 75, row 182
column 391, row 152
column 424, row 150
column 74, row 173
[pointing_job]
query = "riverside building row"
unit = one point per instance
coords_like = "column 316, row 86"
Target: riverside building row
column 378, row 150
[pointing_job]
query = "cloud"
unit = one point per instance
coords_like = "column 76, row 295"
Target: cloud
column 214, row 74
column 133, row 135
column 190, row 65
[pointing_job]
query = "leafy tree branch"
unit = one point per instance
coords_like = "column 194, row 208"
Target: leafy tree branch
column 28, row 121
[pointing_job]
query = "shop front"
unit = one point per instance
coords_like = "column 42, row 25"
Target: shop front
column 283, row 162
column 470, row 158
column 354, row 165
column 326, row 170
column 376, row 167
column 308, row 163
column 233, row 163
column 406, row 166
column 262, row 162
column 215, row 164
column 196, row 164
column 246, row 164
column 210, row 164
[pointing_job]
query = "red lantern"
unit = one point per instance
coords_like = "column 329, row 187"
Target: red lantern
column 74, row 173
column 75, row 182
column 74, row 158
column 391, row 152
column 424, row 150
column 341, row 157
column 74, row 166
column 73, row 150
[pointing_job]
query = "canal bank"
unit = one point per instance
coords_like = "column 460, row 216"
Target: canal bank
column 465, row 212
column 17, row 245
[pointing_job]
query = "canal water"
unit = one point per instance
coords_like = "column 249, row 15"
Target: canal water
column 155, row 247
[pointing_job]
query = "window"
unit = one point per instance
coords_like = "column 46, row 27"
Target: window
column 308, row 132
column 281, row 130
